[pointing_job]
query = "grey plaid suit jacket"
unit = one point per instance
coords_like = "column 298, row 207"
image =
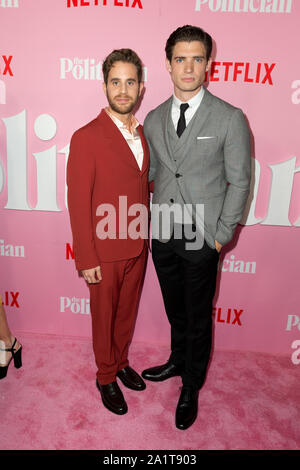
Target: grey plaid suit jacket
column 209, row 164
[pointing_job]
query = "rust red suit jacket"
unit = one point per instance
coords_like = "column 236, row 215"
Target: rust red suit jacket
column 101, row 168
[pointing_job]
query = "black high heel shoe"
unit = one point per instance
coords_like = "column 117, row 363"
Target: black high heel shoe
column 16, row 356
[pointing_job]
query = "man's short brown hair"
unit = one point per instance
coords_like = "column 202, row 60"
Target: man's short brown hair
column 122, row 55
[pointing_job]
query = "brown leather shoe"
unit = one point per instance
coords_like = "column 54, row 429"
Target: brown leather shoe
column 113, row 398
column 131, row 379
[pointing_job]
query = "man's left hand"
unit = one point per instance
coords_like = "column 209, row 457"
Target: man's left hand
column 218, row 246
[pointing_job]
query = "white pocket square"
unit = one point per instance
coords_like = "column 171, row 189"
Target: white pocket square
column 210, row 137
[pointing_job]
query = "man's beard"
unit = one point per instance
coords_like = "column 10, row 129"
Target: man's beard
column 125, row 109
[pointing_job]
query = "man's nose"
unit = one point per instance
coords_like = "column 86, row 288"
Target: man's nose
column 189, row 66
column 124, row 88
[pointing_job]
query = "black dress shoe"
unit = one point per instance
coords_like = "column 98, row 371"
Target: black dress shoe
column 163, row 372
column 131, row 379
column 112, row 398
column 187, row 408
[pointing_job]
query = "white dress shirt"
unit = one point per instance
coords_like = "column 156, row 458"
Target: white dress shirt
column 194, row 104
column 132, row 137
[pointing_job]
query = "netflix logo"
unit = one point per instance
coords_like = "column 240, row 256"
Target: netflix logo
column 10, row 299
column 104, row 3
column 242, row 72
column 231, row 316
column 69, row 251
column 5, row 65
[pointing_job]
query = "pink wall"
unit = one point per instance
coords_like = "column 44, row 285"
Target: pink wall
column 50, row 85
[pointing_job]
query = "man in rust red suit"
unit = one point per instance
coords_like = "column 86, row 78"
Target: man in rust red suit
column 107, row 179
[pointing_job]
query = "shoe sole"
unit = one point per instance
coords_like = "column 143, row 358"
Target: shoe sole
column 152, row 379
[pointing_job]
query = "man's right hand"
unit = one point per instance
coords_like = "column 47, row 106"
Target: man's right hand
column 93, row 275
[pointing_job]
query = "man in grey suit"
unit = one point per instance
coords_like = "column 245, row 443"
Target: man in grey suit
column 200, row 165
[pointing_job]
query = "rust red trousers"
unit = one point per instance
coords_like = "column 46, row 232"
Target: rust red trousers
column 114, row 304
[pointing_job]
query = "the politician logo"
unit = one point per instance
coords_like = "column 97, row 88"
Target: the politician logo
column 245, row 6
column 233, row 265
column 296, row 93
column 293, row 323
column 84, row 69
column 2, row 95
column 296, row 354
column 75, row 305
column 9, row 3
column 15, row 179
column 7, row 249
column 104, row 3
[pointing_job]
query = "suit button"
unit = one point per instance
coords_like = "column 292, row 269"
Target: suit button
column 178, row 175
column 171, row 200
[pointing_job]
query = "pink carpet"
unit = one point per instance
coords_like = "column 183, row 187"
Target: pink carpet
column 249, row 402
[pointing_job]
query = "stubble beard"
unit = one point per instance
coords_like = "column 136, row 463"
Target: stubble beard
column 121, row 109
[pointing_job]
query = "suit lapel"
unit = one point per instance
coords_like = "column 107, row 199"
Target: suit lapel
column 167, row 157
column 113, row 134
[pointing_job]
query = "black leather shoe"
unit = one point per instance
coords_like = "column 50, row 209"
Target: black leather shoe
column 112, row 398
column 160, row 373
column 131, row 379
column 187, row 408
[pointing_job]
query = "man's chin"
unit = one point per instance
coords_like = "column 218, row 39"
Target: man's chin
column 122, row 109
column 190, row 87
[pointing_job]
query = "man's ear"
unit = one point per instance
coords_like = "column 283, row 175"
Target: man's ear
column 168, row 66
column 141, row 85
column 208, row 65
column 104, row 87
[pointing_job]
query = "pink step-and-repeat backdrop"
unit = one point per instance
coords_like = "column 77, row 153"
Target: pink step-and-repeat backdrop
column 51, row 53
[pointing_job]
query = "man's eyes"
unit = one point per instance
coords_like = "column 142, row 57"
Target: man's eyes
column 179, row 60
column 116, row 82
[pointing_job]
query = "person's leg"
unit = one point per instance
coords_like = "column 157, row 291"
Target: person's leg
column 5, row 334
column 168, row 267
column 6, row 338
column 104, row 299
column 129, row 297
column 200, row 284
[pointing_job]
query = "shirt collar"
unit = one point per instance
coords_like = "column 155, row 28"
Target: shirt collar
column 133, row 125
column 193, row 102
